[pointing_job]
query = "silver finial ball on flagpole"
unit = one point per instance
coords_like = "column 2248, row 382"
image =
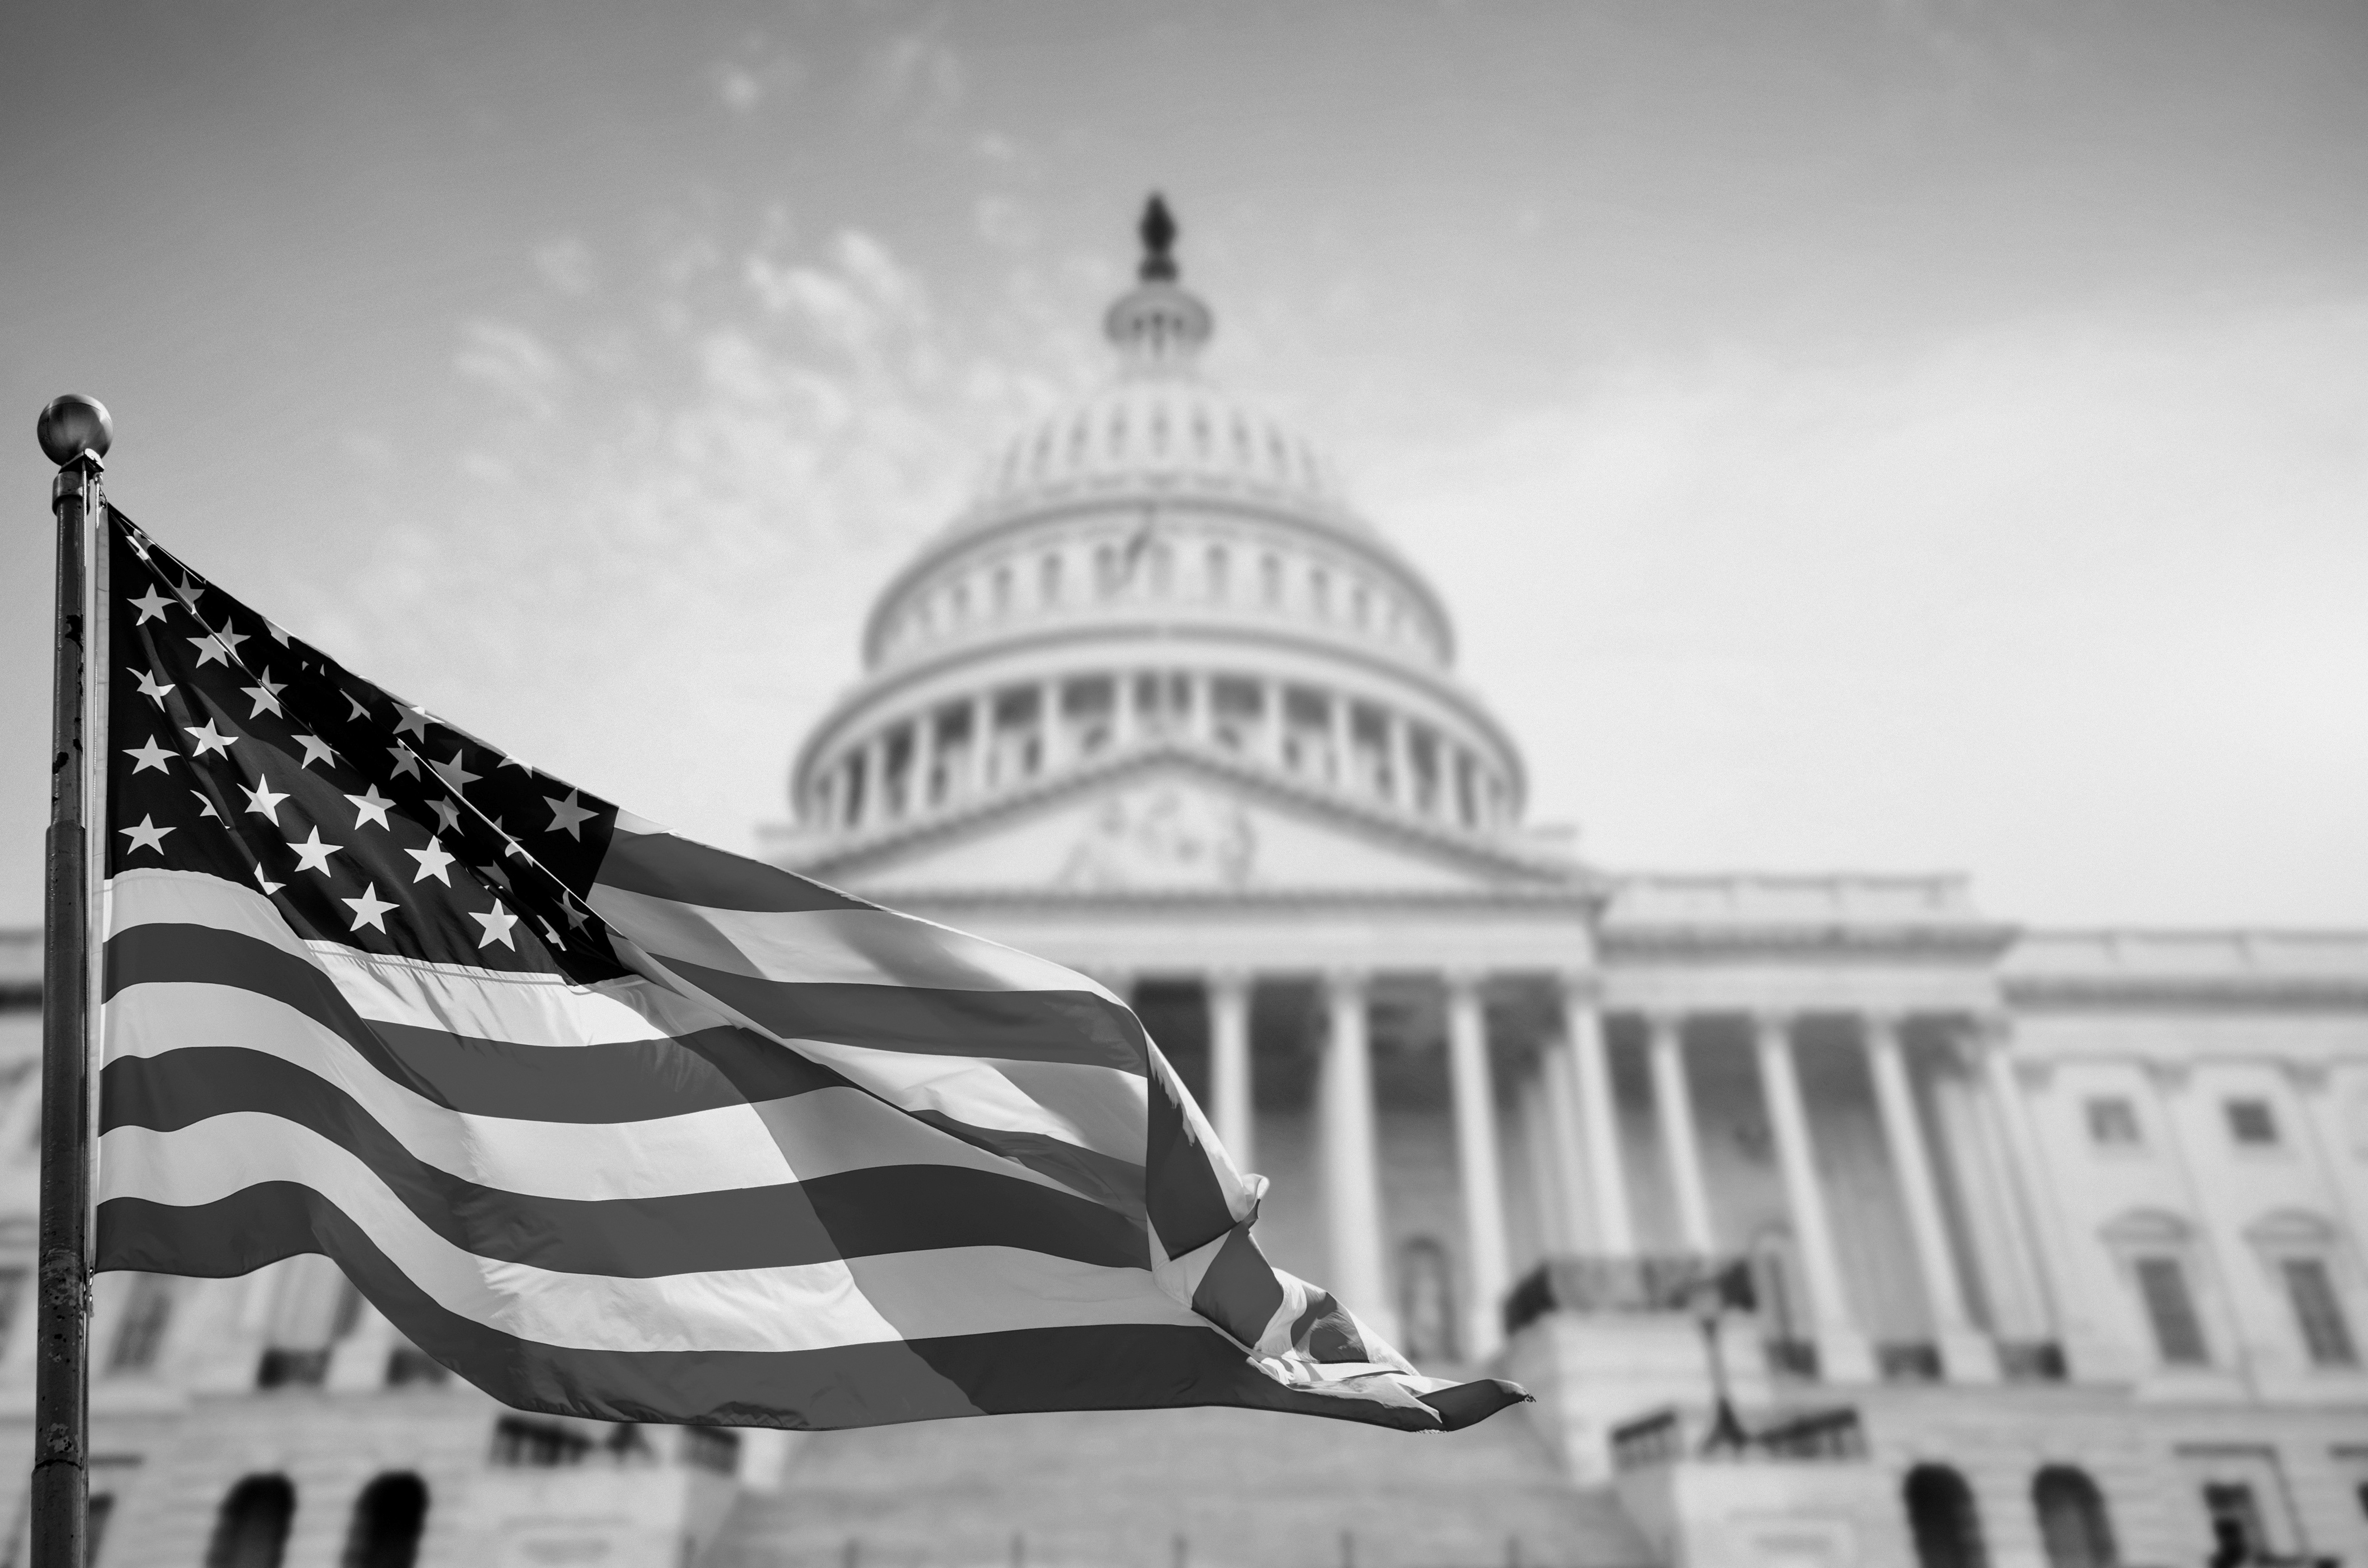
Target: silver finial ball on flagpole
column 74, row 424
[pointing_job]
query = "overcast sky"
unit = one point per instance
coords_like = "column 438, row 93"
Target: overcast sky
column 1853, row 434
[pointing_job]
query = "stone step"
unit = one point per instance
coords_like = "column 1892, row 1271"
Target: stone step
column 1177, row 1489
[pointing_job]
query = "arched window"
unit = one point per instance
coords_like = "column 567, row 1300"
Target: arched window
column 94, row 1533
column 387, row 1520
column 251, row 1531
column 2072, row 1522
column 141, row 1332
column 1942, row 1517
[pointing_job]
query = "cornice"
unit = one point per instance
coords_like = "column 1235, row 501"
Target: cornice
column 2235, row 994
column 1677, row 940
column 1460, row 901
column 883, row 685
column 1413, row 833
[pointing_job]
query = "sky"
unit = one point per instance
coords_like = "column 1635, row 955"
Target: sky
column 1884, row 434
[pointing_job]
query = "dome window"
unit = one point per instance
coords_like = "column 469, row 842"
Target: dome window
column 1361, row 607
column 1003, row 590
column 1048, row 580
column 1271, row 579
column 1217, row 568
column 1319, row 592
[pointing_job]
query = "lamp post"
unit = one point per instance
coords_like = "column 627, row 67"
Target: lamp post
column 1708, row 1301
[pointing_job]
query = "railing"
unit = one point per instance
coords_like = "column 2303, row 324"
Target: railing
column 1792, row 1358
column 1909, row 1361
column 284, row 1368
column 1670, row 1435
column 2032, row 1361
column 1671, row 1283
column 407, row 1366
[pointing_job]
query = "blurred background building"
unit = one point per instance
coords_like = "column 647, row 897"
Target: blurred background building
column 2008, row 1246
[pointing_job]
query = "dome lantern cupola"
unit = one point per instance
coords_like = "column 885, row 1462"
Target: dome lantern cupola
column 1158, row 327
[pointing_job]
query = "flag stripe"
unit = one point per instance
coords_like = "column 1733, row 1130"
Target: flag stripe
column 667, row 866
column 1072, row 1027
column 1118, row 1367
column 860, row 947
column 878, row 1209
column 965, row 1290
column 161, row 969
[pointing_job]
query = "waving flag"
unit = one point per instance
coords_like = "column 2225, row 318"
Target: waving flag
column 617, row 1125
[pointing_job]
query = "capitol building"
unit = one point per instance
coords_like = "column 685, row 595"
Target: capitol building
column 1834, row 1221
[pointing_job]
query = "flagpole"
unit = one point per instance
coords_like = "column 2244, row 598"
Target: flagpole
column 75, row 433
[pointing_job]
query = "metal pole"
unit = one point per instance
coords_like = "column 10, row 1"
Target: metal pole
column 75, row 432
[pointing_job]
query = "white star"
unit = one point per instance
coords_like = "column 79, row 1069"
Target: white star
column 455, row 776
column 355, row 704
column 566, row 817
column 262, row 802
column 315, row 749
column 413, row 722
column 266, row 695
column 209, row 739
column 449, row 815
column 153, row 754
column 266, row 883
column 510, row 847
column 497, row 922
column 188, row 591
column 513, row 762
column 432, row 861
column 277, row 635
column 150, row 689
column 220, row 648
column 575, row 915
column 152, row 608
column 139, row 545
column 406, row 762
column 148, row 836
column 371, row 910
column 369, row 806
column 313, row 854
column 553, row 938
column 206, row 805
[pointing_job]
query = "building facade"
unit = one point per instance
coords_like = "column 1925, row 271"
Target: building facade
column 2035, row 1247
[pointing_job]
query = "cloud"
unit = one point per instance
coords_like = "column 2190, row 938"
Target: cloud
column 512, row 361
column 2042, row 603
column 567, row 264
column 758, row 73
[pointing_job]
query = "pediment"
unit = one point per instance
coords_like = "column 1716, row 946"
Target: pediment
column 1176, row 822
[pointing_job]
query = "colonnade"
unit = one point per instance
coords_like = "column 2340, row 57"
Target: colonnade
column 1584, row 1165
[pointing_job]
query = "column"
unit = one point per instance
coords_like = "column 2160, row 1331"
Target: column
column 1966, row 1354
column 1473, row 1089
column 1607, row 1174
column 924, row 763
column 1566, row 1128
column 1401, row 761
column 1204, row 708
column 1126, row 723
column 1233, row 1101
column 875, row 780
column 982, row 742
column 2229, row 1330
column 2087, row 1353
column 1271, row 695
column 1843, row 1354
column 1051, row 735
column 1673, row 1103
column 1353, row 1194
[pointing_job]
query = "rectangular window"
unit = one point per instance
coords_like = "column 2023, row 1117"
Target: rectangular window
column 2320, row 1313
column 12, row 1295
column 2251, row 1123
column 2178, row 1331
column 2113, row 1123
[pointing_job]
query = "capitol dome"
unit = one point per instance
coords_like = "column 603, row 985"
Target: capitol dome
column 1161, row 565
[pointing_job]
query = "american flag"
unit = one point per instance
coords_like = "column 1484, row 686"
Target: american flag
column 617, row 1125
